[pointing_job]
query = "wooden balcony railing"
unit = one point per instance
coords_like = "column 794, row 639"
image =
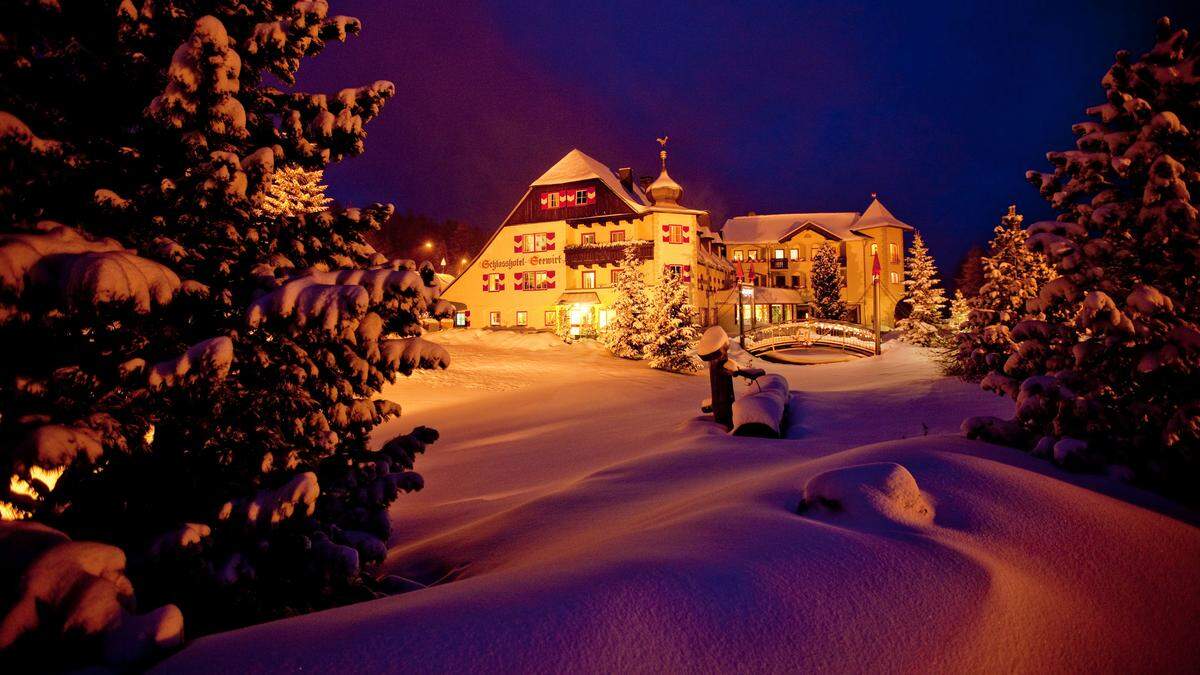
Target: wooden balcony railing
column 604, row 254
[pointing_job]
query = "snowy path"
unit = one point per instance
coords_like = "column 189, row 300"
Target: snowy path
column 584, row 517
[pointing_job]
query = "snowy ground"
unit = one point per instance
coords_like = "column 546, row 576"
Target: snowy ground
column 579, row 514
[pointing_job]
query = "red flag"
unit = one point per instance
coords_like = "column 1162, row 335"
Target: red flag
column 741, row 273
column 876, row 269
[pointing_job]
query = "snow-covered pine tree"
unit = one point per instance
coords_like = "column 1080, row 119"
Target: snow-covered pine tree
column 1108, row 374
column 1012, row 275
column 292, row 191
column 205, row 402
column 828, row 280
column 925, row 324
column 627, row 332
column 672, row 326
column 960, row 310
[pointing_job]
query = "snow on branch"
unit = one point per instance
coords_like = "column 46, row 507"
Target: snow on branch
column 407, row 354
column 270, row 507
column 210, row 358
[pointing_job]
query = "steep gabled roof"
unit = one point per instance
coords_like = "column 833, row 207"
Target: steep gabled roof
column 577, row 166
column 841, row 225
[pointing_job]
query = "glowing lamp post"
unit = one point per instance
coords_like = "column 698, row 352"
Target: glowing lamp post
column 746, row 294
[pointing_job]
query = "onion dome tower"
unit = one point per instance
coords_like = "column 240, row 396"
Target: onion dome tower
column 664, row 191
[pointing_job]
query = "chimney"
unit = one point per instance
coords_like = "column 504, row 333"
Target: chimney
column 625, row 175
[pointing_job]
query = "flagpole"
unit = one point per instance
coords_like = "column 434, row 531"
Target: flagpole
column 876, row 272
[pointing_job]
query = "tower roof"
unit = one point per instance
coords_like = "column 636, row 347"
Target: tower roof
column 843, row 225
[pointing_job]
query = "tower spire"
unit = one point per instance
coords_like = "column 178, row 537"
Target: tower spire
column 662, row 154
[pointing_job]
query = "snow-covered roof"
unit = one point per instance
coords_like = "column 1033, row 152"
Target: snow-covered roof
column 841, row 225
column 577, row 166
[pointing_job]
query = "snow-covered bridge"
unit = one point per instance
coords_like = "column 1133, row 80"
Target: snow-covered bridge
column 850, row 337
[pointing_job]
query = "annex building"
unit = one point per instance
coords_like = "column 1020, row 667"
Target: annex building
column 774, row 253
column 558, row 252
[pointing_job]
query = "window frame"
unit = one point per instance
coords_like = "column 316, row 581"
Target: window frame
column 522, row 318
column 616, row 235
column 550, row 318
column 584, row 276
column 587, row 238
column 494, row 319
column 738, row 255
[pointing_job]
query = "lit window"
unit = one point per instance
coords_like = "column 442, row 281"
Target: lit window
column 589, row 279
column 617, row 235
column 550, row 318
column 894, row 253
column 616, row 274
column 752, row 254
column 537, row 281
column 675, row 234
column 533, row 243
column 587, row 238
column 874, row 248
column 552, row 200
column 494, row 318
column 460, row 319
column 492, row 282
column 895, row 278
column 581, row 197
column 522, row 318
column 779, row 253
column 794, row 254
column 737, row 254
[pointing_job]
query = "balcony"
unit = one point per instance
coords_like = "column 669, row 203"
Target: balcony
column 779, row 263
column 578, row 255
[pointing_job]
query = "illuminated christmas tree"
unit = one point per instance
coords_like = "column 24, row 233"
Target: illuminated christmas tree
column 828, row 280
column 925, row 323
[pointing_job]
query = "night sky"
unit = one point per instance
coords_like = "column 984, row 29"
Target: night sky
column 771, row 107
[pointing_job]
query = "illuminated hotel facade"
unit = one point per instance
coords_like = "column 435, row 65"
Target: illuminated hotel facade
column 559, row 251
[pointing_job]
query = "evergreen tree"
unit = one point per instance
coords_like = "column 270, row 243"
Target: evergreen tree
column 672, row 326
column 1013, row 274
column 925, row 324
column 205, row 402
column 627, row 332
column 828, row 280
column 1107, row 373
column 292, row 191
column 960, row 311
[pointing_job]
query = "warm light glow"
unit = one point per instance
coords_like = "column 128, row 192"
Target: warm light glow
column 20, row 486
column 149, row 437
column 428, row 245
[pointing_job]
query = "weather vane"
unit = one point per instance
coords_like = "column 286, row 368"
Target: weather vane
column 662, row 154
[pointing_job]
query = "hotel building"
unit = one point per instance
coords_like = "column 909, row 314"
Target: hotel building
column 775, row 253
column 560, row 250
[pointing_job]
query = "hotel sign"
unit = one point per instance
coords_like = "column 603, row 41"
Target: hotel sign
column 510, row 263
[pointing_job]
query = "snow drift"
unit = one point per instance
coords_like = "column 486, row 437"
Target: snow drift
column 590, row 521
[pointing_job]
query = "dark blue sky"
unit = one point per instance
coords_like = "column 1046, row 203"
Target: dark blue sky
column 771, row 107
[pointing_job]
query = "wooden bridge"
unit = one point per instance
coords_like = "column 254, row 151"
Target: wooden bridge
column 849, row 337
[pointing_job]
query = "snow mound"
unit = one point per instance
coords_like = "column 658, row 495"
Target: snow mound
column 758, row 409
column 500, row 339
column 883, row 489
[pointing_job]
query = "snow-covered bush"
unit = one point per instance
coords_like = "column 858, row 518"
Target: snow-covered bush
column 191, row 375
column 1109, row 371
column 627, row 332
column 924, row 324
column 1012, row 275
column 828, row 280
column 671, row 326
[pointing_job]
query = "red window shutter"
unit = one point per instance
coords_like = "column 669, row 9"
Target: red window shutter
column 518, row 244
column 543, row 199
column 485, row 285
column 519, row 281
column 549, row 241
column 686, row 239
column 687, row 272
column 550, row 274
column 666, row 233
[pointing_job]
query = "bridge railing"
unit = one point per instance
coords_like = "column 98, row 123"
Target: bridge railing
column 843, row 334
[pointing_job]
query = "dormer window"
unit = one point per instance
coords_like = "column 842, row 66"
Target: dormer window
column 561, row 199
column 587, row 238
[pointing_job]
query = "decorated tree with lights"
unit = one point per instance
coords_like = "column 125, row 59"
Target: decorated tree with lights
column 924, row 324
column 1107, row 372
column 292, row 191
column 191, row 376
column 828, row 280
column 671, row 326
column 960, row 311
column 628, row 332
column 1012, row 276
